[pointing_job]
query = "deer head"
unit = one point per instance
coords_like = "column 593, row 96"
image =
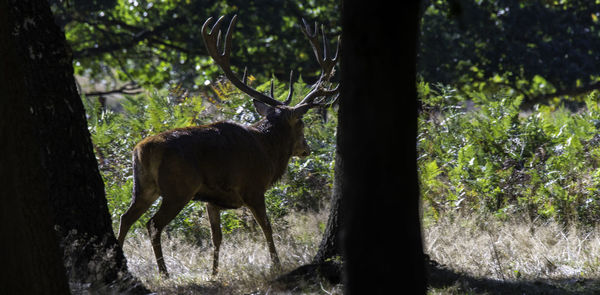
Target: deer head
column 267, row 105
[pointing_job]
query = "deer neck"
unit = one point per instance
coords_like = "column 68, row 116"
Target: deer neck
column 278, row 144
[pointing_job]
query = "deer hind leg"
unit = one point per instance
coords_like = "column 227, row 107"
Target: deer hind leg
column 140, row 202
column 169, row 208
column 260, row 215
column 214, row 216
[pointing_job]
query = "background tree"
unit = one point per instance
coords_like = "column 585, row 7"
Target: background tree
column 49, row 145
column 540, row 48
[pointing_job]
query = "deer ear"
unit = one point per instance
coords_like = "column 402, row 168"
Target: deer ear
column 300, row 110
column 262, row 108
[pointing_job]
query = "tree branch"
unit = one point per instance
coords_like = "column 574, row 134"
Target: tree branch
column 130, row 89
column 154, row 40
column 137, row 35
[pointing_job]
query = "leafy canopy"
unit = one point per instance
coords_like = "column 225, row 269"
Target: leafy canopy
column 154, row 43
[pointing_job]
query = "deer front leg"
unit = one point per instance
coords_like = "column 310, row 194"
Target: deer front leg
column 214, row 217
column 260, row 215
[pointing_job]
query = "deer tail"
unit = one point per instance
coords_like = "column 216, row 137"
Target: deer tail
column 136, row 173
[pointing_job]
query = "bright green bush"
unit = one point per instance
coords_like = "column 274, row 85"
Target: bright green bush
column 479, row 152
column 114, row 134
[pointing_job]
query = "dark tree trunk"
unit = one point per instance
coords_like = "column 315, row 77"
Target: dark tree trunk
column 374, row 215
column 378, row 113
column 31, row 260
column 50, row 113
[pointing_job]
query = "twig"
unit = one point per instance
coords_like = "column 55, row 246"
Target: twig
column 496, row 257
column 324, row 289
column 126, row 89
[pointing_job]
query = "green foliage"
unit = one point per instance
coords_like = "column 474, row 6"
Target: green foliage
column 115, row 133
column 479, row 152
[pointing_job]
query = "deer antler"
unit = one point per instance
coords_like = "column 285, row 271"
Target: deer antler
column 327, row 65
column 212, row 41
column 288, row 99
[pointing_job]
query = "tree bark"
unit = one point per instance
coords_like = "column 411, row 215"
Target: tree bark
column 61, row 160
column 378, row 113
column 330, row 248
column 374, row 215
column 29, row 250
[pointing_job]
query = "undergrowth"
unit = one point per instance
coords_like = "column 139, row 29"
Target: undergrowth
column 481, row 153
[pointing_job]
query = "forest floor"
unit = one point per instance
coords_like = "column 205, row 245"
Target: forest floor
column 491, row 256
column 468, row 255
column 244, row 264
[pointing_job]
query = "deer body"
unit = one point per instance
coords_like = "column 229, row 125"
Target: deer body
column 220, row 163
column 225, row 164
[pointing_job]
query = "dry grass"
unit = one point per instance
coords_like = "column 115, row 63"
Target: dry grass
column 516, row 251
column 485, row 256
column 244, row 264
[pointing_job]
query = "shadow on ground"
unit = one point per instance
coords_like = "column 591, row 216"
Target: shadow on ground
column 311, row 279
column 193, row 288
column 315, row 278
column 441, row 277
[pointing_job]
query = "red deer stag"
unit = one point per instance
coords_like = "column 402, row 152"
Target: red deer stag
column 225, row 164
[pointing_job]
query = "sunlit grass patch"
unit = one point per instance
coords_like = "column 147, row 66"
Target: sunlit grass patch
column 244, row 264
column 515, row 250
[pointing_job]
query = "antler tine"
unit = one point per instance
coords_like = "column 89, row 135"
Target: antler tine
column 325, row 45
column 244, row 77
column 323, row 103
column 227, row 45
column 328, row 63
column 309, row 101
column 212, row 41
column 288, row 99
column 312, row 38
column 291, row 91
column 319, row 91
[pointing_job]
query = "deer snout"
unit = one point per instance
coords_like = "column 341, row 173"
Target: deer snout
column 305, row 149
column 305, row 152
column 302, row 149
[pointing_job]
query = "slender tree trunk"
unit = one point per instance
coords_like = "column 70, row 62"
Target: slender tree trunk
column 378, row 113
column 44, row 96
column 330, row 249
